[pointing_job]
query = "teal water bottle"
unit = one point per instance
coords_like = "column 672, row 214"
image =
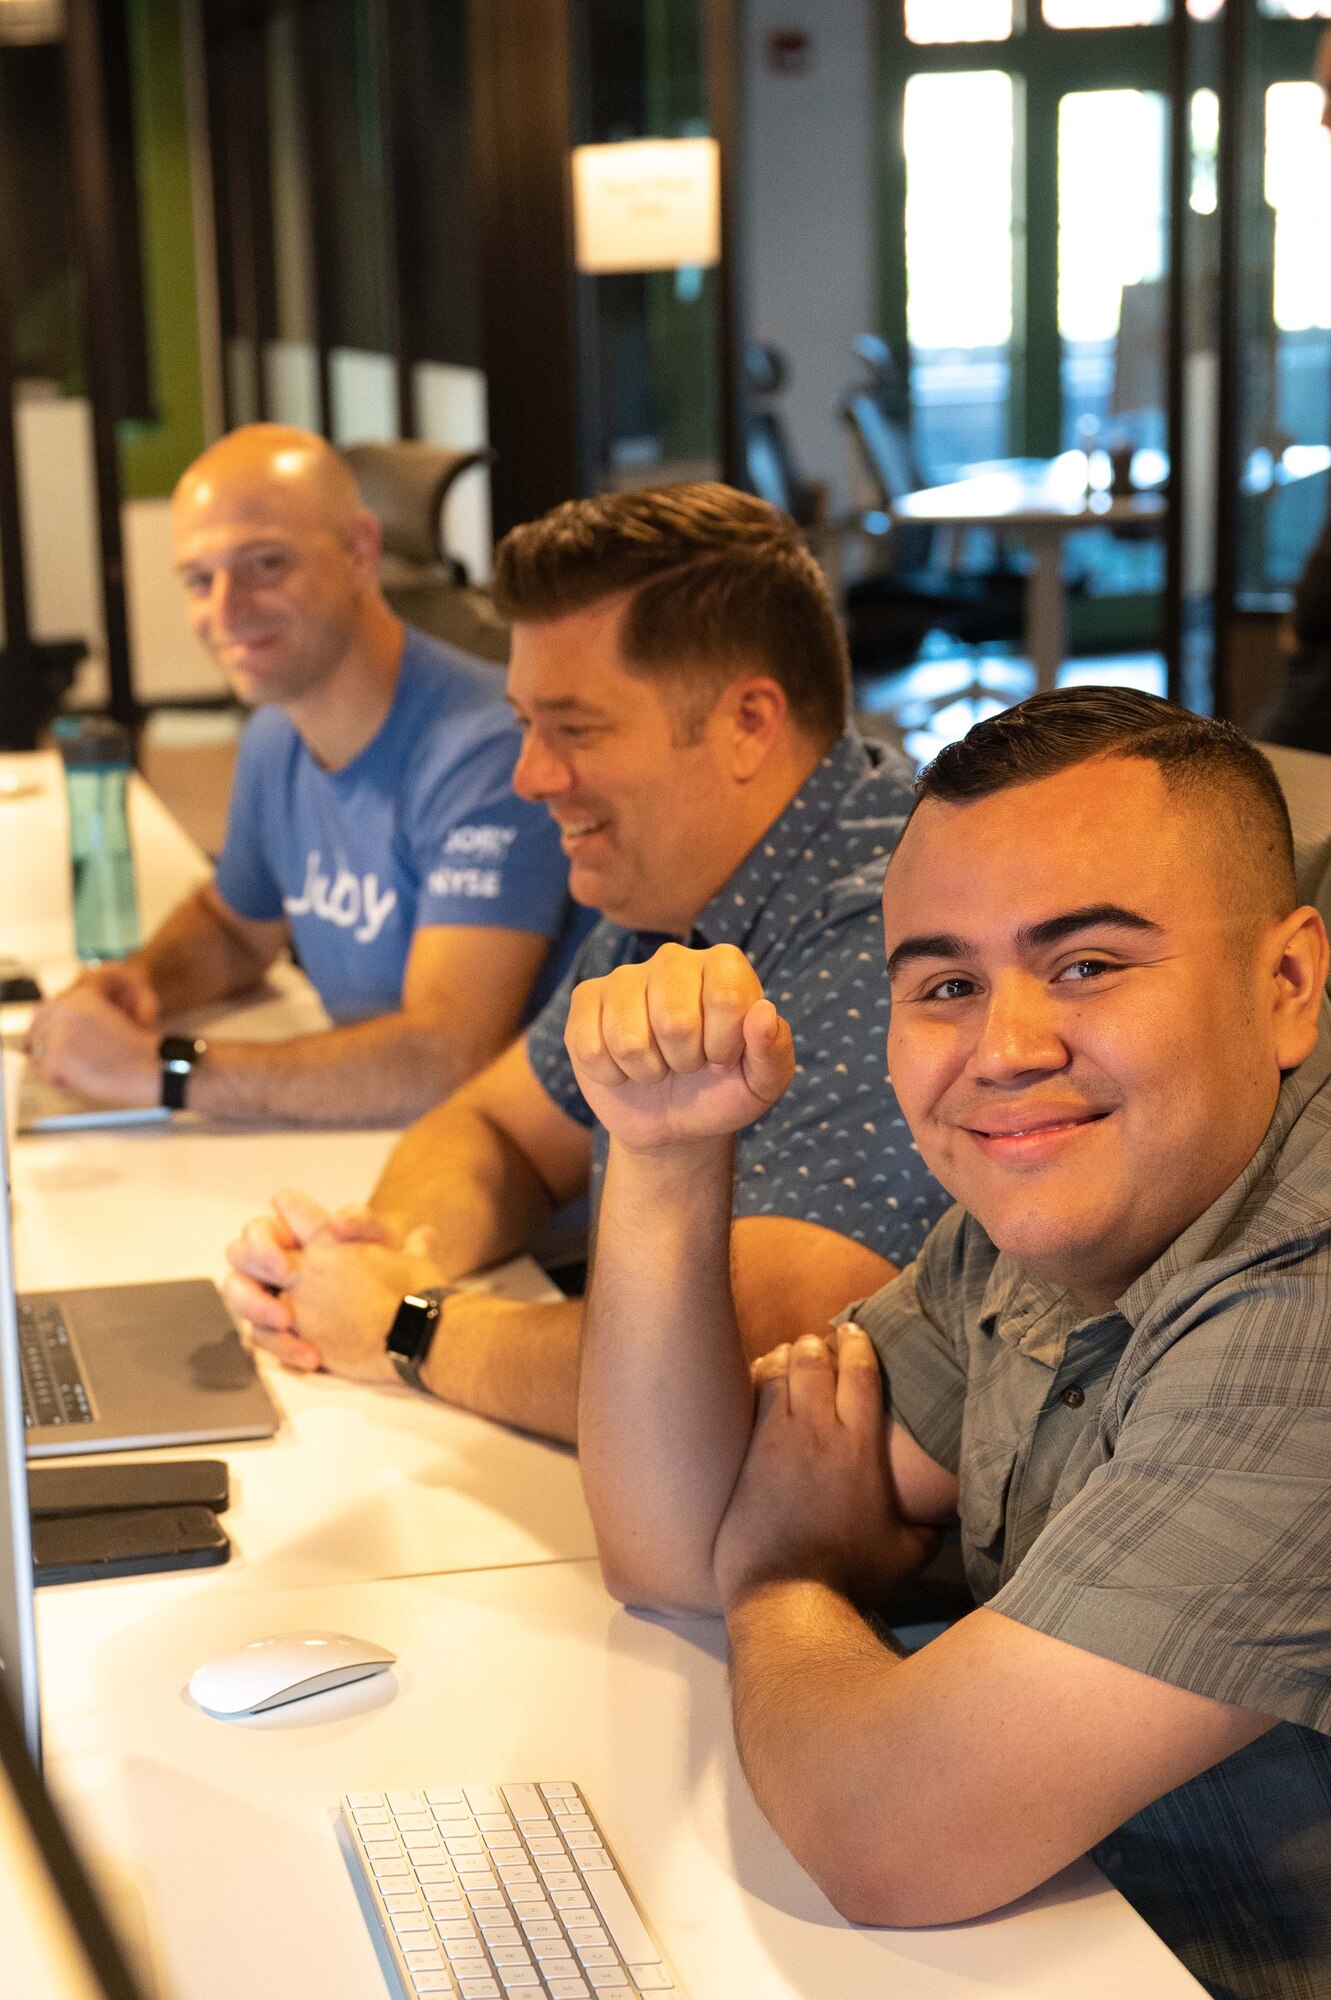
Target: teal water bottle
column 97, row 762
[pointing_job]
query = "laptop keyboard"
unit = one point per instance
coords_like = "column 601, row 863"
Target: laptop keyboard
column 486, row 1891
column 54, row 1391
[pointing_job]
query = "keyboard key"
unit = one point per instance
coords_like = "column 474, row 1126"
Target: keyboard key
column 593, row 1860
column 494, row 1822
column 449, row 1795
column 528, row 1908
column 461, row 1949
column 522, row 1799
column 423, row 1961
column 622, row 1921
column 483, row 1798
column 453, row 1815
column 536, row 1826
column 405, row 1802
column 552, row 1953
column 415, row 1822
column 509, row 1954
column 372, row 1816
column 432, row 1982
column 568, row 1989
column 539, row 1929
column 410, row 1921
column 463, row 1843
column 382, row 1850
column 577, row 1839
column 606, row 1978
column 569, row 1899
column 498, row 1842
column 561, row 1791
column 520, row 1979
column 652, row 1978
column 481, row 1987
column 455, row 1927
column 358, row 1799
column 560, row 1879
column 435, row 1871
column 517, row 1874
column 497, row 1927
column 447, row 1909
column 545, row 1843
column 572, row 1822
column 391, row 1871
column 597, row 1954
column 477, row 1879
column 401, row 1899
column 486, row 1899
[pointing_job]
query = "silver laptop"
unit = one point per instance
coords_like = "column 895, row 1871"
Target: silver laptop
column 123, row 1367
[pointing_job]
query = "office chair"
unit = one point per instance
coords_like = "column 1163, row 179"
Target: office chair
column 769, row 456
column 405, row 485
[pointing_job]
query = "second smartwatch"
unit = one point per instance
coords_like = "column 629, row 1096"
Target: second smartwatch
column 178, row 1055
column 412, row 1333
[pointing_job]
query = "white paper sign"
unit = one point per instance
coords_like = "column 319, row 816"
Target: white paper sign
column 647, row 205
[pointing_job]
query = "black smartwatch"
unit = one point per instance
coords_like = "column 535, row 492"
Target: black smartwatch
column 413, row 1330
column 178, row 1055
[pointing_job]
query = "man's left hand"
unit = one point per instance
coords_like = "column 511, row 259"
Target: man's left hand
column 321, row 1290
column 83, row 1041
column 814, row 1497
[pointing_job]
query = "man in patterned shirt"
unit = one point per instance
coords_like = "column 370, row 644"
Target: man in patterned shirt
column 1110, row 1363
column 682, row 681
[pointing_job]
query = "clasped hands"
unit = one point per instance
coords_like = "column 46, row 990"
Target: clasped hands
column 320, row 1289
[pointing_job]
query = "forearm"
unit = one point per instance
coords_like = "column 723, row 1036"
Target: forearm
column 811, row 1698
column 194, row 958
column 666, row 1403
column 515, row 1363
column 457, row 1171
column 381, row 1072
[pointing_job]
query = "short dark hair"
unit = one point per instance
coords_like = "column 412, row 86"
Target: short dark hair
column 1200, row 760
column 716, row 581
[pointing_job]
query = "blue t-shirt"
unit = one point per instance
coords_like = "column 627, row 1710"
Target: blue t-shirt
column 805, row 909
column 422, row 828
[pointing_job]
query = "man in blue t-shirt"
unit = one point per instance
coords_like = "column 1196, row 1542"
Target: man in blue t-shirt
column 373, row 828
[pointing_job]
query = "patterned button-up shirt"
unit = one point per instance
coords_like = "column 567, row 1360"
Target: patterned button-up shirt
column 805, row 908
column 1154, row 1486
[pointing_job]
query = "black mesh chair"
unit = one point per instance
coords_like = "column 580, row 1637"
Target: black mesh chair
column 773, row 471
column 405, row 485
column 916, row 586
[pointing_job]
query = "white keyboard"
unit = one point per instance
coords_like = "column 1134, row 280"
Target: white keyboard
column 485, row 1891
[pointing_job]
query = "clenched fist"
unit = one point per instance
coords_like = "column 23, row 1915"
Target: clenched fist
column 682, row 1048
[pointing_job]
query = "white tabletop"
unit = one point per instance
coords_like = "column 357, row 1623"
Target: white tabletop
column 1028, row 494
column 226, row 1828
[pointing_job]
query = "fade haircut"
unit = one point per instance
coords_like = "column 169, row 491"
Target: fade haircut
column 1206, row 765
column 718, row 584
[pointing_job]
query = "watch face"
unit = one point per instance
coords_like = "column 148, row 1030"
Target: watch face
column 410, row 1333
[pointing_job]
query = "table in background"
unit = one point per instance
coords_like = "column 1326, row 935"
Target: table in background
column 1041, row 502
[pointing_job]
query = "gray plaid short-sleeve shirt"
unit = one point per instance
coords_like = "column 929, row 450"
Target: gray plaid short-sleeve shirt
column 1154, row 1486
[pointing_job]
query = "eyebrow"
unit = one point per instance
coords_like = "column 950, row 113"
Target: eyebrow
column 567, row 704
column 1032, row 937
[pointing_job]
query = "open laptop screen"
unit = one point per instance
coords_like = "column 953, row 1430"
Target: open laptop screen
column 18, row 1637
column 56, row 1943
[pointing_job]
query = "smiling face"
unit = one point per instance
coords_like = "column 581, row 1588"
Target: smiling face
column 655, row 814
column 1090, row 1015
column 276, row 558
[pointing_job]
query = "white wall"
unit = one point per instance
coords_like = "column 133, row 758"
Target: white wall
column 810, row 251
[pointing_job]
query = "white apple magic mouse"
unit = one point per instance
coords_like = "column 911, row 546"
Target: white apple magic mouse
column 286, row 1667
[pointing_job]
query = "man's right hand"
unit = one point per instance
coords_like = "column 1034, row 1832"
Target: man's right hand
column 126, row 985
column 682, row 1048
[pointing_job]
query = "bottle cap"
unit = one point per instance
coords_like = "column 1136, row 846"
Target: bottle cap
column 92, row 742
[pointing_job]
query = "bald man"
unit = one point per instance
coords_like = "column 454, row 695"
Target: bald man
column 373, row 826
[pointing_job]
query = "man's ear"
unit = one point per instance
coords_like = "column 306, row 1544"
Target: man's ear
column 757, row 715
column 365, row 540
column 1301, row 958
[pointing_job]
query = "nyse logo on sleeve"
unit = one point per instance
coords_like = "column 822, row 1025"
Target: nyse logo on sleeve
column 472, row 846
column 352, row 902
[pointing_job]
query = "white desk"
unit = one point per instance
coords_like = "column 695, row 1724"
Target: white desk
column 1042, row 503
column 226, row 1829
column 223, row 1832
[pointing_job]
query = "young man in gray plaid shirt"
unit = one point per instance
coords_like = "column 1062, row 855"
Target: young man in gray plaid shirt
column 1110, row 1363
